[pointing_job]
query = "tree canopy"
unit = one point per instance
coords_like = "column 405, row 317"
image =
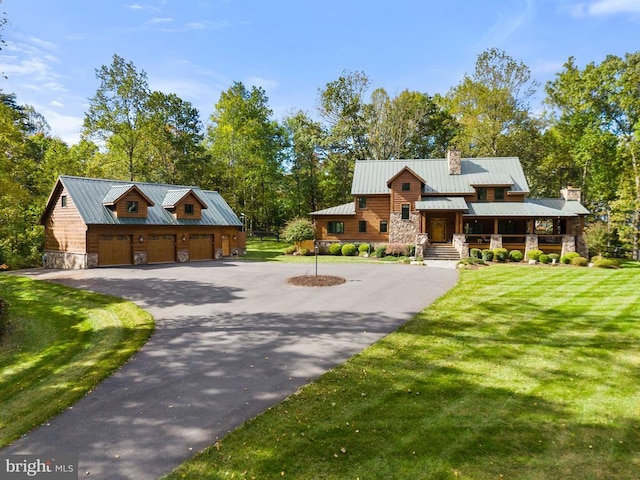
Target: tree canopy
column 273, row 171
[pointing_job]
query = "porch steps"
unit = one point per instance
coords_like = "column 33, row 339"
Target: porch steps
column 441, row 251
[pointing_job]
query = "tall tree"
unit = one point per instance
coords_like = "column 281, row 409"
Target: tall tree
column 304, row 139
column 246, row 147
column 342, row 105
column 118, row 112
column 601, row 103
column 491, row 104
column 173, row 135
column 411, row 125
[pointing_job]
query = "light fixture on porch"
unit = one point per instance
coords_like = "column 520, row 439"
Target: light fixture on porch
column 184, row 238
column 141, row 239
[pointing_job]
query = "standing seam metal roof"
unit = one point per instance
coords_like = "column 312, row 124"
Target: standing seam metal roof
column 371, row 176
column 88, row 194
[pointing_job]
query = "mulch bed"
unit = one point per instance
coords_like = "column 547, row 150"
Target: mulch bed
column 315, row 281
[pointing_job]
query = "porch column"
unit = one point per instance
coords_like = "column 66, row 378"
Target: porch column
column 568, row 244
column 496, row 241
column 531, row 243
column 495, row 225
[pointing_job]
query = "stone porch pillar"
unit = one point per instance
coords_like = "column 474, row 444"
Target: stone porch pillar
column 531, row 243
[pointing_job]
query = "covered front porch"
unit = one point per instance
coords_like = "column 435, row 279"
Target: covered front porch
column 463, row 231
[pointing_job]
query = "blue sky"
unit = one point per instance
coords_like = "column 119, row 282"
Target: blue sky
column 291, row 48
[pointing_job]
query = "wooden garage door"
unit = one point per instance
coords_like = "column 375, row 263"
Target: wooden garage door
column 114, row 250
column 200, row 247
column 161, row 248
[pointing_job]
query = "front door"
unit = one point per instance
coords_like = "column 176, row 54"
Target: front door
column 438, row 230
column 226, row 246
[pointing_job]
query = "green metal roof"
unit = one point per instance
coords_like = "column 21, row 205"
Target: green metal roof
column 442, row 203
column 531, row 207
column 371, row 176
column 89, row 193
column 345, row 209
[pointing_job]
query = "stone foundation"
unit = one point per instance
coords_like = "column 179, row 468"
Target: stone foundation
column 139, row 258
column 65, row 260
column 183, row 256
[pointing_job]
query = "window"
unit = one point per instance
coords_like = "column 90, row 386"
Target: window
column 383, row 227
column 188, row 208
column 335, row 227
column 132, row 206
column 362, row 226
column 63, row 201
column 406, row 187
column 482, row 194
column 362, row 202
column 406, row 209
column 499, row 193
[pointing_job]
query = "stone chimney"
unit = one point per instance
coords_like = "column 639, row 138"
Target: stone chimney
column 571, row 193
column 454, row 160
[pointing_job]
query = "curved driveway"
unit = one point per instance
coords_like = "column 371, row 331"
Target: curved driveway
column 232, row 338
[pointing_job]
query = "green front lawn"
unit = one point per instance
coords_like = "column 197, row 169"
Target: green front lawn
column 516, row 373
column 59, row 344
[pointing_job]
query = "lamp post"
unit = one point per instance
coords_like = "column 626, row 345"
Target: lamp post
column 242, row 219
column 315, row 249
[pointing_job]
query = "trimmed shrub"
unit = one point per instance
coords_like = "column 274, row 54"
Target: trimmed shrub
column 335, row 249
column 602, row 262
column 487, row 255
column 303, row 251
column 475, row 252
column 411, row 250
column 290, row 250
column 364, row 248
column 554, row 256
column 381, row 251
column 349, row 249
column 298, row 230
column 516, row 256
column 566, row 259
column 500, row 254
column 534, row 254
column 579, row 261
column 544, row 258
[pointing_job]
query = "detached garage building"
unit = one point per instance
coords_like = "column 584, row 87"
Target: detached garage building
column 93, row 223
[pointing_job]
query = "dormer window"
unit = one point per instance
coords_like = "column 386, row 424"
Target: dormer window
column 132, row 206
column 188, row 209
column 499, row 193
column 406, row 186
column 482, row 194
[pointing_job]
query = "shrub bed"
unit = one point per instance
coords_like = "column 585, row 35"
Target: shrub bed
column 566, row 259
column 364, row 248
column 602, row 262
column 381, row 251
column 476, row 253
column 487, row 255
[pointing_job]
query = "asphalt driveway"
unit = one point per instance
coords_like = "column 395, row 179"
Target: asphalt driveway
column 232, row 338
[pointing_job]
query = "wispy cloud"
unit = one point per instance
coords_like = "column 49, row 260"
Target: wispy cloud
column 161, row 20
column 263, row 83
column 604, row 8
column 508, row 23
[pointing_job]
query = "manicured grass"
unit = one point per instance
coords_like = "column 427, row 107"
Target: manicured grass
column 516, row 373
column 59, row 344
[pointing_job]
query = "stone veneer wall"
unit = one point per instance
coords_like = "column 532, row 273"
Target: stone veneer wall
column 403, row 231
column 183, row 256
column 139, row 258
column 531, row 243
column 64, row 260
